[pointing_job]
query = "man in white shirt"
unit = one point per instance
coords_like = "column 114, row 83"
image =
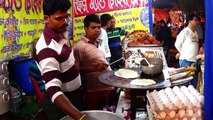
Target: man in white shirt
column 187, row 43
column 105, row 23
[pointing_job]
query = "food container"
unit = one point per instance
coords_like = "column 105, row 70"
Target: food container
column 3, row 68
column 99, row 115
column 155, row 68
column 4, row 82
column 4, row 101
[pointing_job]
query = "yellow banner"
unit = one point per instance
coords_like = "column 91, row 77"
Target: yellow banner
column 129, row 19
column 21, row 21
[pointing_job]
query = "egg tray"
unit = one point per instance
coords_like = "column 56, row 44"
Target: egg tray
column 171, row 115
column 184, row 113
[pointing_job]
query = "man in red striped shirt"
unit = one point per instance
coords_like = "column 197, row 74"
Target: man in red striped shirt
column 57, row 63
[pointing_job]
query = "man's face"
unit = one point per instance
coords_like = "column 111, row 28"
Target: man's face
column 195, row 21
column 113, row 23
column 58, row 21
column 108, row 24
column 93, row 30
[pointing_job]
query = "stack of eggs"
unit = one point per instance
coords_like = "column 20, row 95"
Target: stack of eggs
column 177, row 103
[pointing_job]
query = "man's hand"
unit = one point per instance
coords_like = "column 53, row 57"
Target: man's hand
column 177, row 55
column 101, row 66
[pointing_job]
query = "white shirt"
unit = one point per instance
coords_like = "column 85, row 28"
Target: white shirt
column 187, row 44
column 104, row 43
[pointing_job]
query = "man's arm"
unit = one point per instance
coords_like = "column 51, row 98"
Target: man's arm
column 179, row 41
column 67, row 107
column 51, row 75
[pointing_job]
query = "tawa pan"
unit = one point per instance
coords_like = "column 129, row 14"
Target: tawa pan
column 110, row 79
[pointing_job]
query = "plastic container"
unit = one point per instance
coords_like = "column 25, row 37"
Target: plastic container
column 18, row 68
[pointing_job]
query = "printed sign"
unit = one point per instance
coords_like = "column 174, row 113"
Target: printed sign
column 130, row 14
column 21, row 21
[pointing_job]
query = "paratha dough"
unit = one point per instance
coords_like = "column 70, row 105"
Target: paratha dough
column 143, row 82
column 126, row 73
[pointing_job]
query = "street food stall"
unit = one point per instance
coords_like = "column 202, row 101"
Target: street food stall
column 143, row 82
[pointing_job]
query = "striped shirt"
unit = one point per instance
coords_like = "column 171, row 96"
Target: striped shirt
column 57, row 64
column 114, row 36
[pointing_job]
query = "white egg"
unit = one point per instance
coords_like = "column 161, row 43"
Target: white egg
column 185, row 118
column 194, row 100
column 201, row 99
column 191, row 89
column 176, row 101
column 161, row 93
column 180, row 95
column 167, row 104
column 189, row 112
column 165, row 100
column 190, row 95
column 162, row 114
column 172, row 113
column 199, row 112
column 181, row 113
column 163, row 96
column 176, row 89
column 190, row 86
column 171, row 94
column 194, row 118
column 168, row 89
column 184, row 90
column 183, row 87
column 198, row 95
column 185, row 101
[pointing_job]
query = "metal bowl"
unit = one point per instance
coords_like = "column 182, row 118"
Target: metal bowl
column 155, row 68
column 98, row 115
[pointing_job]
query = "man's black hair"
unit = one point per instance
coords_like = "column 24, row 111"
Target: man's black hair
column 91, row 18
column 51, row 6
column 105, row 18
column 162, row 21
column 190, row 17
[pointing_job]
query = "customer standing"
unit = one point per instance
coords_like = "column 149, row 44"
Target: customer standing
column 92, row 64
column 105, row 24
column 187, row 43
column 164, row 36
column 200, row 33
column 115, row 43
column 57, row 64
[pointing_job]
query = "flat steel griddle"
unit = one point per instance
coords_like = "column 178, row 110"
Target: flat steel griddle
column 110, row 79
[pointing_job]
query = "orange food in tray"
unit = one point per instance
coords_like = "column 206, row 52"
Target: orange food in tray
column 141, row 37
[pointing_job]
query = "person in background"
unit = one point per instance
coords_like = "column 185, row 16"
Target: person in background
column 200, row 70
column 69, row 28
column 57, row 64
column 156, row 28
column 201, row 53
column 187, row 44
column 105, row 23
column 200, row 33
column 92, row 64
column 115, row 43
column 164, row 36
